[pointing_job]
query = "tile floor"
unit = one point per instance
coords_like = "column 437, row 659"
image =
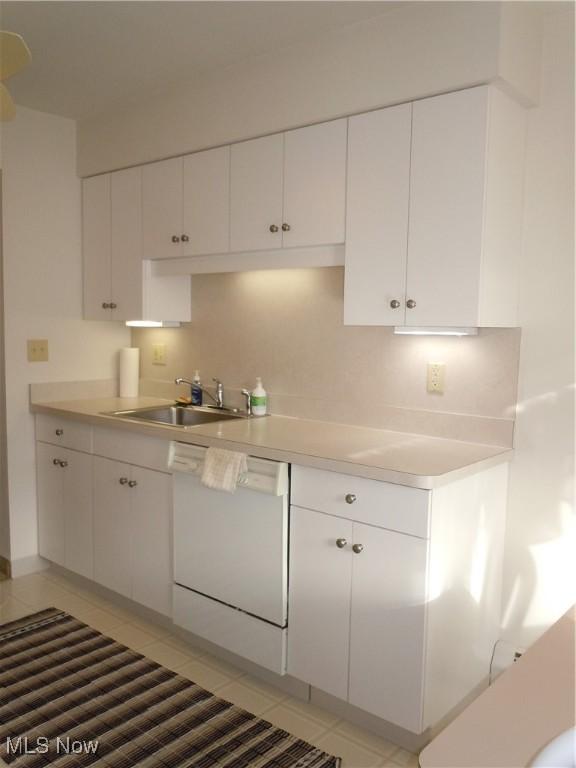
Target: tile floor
column 358, row 748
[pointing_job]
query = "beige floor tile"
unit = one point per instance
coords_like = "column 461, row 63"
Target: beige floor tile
column 131, row 636
column 352, row 754
column 205, row 675
column 366, row 739
column 246, row 697
column 184, row 645
column 12, row 609
column 264, row 688
column 312, row 711
column 222, row 666
column 96, row 618
column 164, row 654
column 404, row 758
column 288, row 719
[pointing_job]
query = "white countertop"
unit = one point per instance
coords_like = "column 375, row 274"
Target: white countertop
column 397, row 457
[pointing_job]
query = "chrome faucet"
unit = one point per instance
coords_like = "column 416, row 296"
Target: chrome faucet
column 219, row 399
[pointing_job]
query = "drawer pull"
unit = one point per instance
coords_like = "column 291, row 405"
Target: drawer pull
column 59, row 432
column 341, row 543
column 350, row 498
column 357, row 548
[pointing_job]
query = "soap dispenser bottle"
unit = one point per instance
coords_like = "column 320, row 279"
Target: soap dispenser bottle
column 259, row 399
column 196, row 389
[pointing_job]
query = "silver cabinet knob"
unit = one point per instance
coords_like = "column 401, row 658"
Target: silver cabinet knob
column 123, row 480
column 341, row 543
column 350, row 498
column 394, row 304
column 56, row 462
column 285, row 227
column 63, row 463
column 105, row 305
column 185, row 238
column 59, row 432
column 410, row 303
column 175, row 239
column 132, row 483
column 113, row 305
column 273, row 228
column 357, row 548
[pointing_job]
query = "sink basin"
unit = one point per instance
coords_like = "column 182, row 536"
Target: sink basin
column 178, row 416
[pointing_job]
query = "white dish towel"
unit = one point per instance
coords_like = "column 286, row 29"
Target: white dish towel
column 222, row 469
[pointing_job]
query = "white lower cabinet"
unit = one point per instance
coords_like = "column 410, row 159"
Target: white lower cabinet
column 132, row 532
column 65, row 507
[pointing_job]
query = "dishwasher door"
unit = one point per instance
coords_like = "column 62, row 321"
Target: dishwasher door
column 232, row 547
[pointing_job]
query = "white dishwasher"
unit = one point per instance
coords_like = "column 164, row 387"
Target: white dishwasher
column 231, row 557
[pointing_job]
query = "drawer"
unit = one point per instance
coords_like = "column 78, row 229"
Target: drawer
column 386, row 505
column 132, row 448
column 64, row 432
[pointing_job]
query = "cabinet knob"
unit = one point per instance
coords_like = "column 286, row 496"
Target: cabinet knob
column 123, row 480
column 285, row 227
column 357, row 548
column 175, row 239
column 113, row 305
column 59, row 432
column 56, row 462
column 273, row 228
column 341, row 543
column 105, row 305
column 132, row 483
column 63, row 463
column 350, row 498
column 394, row 304
column 410, row 303
column 185, row 238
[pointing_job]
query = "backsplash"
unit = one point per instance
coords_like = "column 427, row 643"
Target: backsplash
column 286, row 326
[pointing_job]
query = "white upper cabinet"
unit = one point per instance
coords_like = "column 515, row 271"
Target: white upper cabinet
column 377, row 216
column 162, row 209
column 206, row 217
column 315, row 185
column 96, row 225
column 256, row 181
column 126, row 243
column 464, row 213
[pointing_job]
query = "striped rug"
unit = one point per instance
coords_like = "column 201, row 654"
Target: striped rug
column 72, row 697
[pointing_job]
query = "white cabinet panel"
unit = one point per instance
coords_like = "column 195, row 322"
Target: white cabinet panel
column 151, row 546
column 387, row 628
column 447, row 185
column 256, row 193
column 64, row 432
column 78, row 526
column 319, row 622
column 377, row 216
column 207, row 202
column 126, row 243
column 50, row 503
column 162, row 209
column 96, row 237
column 112, row 526
column 315, row 184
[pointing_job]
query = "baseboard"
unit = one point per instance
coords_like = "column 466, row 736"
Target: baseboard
column 24, row 566
column 5, row 569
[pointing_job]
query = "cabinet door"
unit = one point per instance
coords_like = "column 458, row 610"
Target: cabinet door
column 151, row 500
column 387, row 625
column 207, row 202
column 50, row 479
column 78, row 520
column 319, row 600
column 112, row 526
column 377, row 217
column 162, row 209
column 449, row 141
column 126, row 243
column 256, row 194
column 315, row 185
column 96, row 247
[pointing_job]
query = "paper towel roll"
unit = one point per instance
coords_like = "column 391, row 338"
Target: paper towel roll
column 129, row 371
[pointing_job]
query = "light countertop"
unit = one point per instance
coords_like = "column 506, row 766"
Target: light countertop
column 397, row 457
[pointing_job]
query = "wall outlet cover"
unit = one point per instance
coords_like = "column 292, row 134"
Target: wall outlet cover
column 37, row 350
column 435, row 378
column 159, row 354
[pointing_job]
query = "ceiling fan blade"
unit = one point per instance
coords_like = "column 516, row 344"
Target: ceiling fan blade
column 7, row 108
column 14, row 54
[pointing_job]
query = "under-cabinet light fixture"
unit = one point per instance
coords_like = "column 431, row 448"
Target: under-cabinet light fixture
column 152, row 324
column 430, row 331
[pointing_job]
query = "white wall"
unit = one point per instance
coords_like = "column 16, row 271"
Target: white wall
column 540, row 575
column 43, row 294
column 417, row 50
column 4, row 519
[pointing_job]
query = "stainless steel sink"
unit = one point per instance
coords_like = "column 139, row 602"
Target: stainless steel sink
column 179, row 416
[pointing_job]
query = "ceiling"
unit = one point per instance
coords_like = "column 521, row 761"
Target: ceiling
column 89, row 57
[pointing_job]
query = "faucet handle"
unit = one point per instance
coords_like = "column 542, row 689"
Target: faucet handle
column 247, row 395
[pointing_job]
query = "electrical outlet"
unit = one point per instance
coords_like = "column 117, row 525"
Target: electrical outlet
column 37, row 350
column 158, row 354
column 435, row 378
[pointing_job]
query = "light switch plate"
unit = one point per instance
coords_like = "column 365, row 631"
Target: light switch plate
column 158, row 354
column 435, row 378
column 37, row 350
